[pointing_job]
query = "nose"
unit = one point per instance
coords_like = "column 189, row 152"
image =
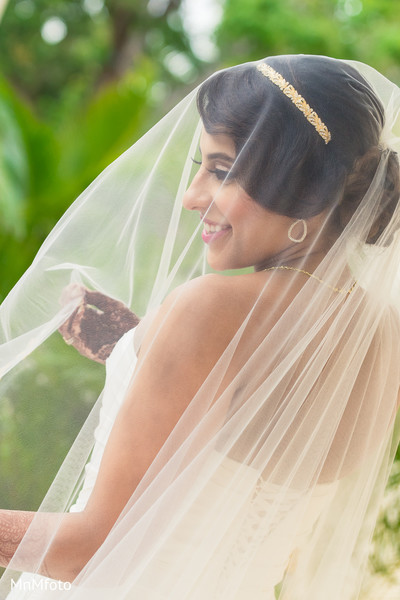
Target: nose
column 197, row 196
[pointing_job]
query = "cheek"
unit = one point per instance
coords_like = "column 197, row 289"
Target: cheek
column 237, row 210
column 247, row 220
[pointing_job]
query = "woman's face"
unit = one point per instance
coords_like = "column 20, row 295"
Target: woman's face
column 239, row 232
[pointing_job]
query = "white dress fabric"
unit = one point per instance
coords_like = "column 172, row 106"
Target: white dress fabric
column 269, row 562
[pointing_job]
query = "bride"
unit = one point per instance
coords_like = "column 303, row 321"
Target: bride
column 244, row 436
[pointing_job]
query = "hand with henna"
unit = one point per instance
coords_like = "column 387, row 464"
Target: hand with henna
column 96, row 324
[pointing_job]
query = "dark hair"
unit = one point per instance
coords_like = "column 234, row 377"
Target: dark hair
column 283, row 163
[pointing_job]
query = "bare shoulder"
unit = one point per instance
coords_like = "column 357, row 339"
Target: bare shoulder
column 216, row 298
column 201, row 316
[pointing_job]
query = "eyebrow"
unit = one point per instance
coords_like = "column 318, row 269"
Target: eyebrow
column 220, row 155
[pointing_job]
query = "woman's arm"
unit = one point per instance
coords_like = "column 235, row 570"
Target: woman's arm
column 13, row 526
column 188, row 335
column 73, row 544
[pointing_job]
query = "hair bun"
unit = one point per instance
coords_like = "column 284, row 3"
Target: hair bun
column 358, row 183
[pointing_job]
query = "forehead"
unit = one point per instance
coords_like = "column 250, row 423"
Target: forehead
column 219, row 143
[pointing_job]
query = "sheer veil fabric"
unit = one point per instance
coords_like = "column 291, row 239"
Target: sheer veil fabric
column 271, row 481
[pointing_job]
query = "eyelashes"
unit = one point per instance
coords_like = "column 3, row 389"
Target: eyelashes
column 220, row 174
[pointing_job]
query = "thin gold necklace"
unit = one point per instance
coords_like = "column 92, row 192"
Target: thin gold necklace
column 335, row 289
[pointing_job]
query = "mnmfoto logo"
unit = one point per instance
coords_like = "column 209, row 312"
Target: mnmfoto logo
column 42, row 584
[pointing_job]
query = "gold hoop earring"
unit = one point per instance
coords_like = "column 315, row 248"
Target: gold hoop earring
column 303, row 236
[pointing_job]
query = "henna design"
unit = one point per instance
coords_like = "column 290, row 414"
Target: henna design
column 13, row 526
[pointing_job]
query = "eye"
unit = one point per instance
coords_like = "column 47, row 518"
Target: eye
column 196, row 162
column 220, row 174
column 224, row 175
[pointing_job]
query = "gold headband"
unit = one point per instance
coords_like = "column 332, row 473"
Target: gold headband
column 297, row 100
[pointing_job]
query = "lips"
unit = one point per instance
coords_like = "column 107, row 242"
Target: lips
column 214, row 228
column 213, row 231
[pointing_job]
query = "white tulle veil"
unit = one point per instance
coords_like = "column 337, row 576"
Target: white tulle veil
column 285, row 491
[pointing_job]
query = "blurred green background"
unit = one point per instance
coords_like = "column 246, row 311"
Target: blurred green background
column 80, row 81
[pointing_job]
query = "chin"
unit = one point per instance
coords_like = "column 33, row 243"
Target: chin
column 217, row 263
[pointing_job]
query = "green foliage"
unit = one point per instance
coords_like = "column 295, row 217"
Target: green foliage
column 99, row 46
column 13, row 173
column 51, row 166
column 361, row 30
column 105, row 127
column 44, row 70
column 68, row 109
column 52, row 393
column 31, row 148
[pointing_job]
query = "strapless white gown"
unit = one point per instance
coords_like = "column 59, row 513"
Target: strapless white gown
column 270, row 562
